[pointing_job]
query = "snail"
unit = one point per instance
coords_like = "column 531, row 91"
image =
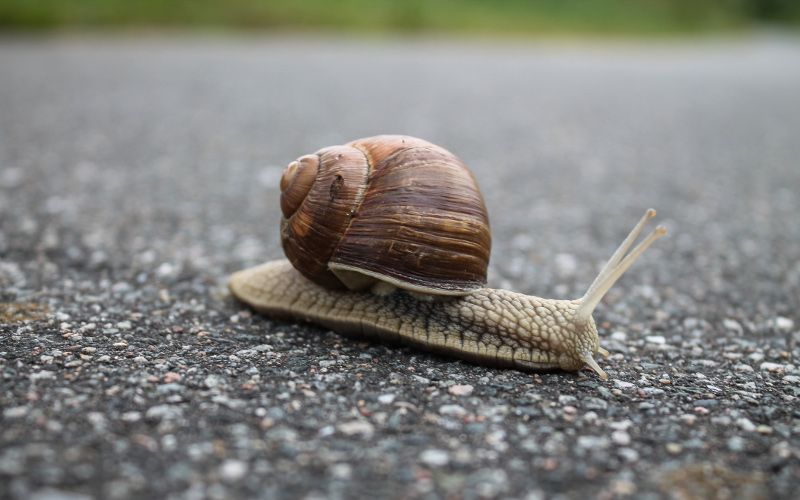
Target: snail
column 388, row 237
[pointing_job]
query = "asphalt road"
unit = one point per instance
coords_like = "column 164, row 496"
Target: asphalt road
column 135, row 175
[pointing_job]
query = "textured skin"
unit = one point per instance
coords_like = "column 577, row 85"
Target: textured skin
column 489, row 327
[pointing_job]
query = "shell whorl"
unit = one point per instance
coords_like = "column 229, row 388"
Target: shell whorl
column 391, row 208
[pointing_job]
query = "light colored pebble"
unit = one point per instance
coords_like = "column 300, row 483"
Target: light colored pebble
column 386, row 398
column 746, row 425
column 452, row 410
column 460, row 390
column 621, row 438
column 435, row 457
column 232, row 470
column 356, row 427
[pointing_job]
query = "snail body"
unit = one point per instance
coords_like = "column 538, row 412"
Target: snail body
column 368, row 229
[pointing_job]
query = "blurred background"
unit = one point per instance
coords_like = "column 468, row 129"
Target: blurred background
column 469, row 17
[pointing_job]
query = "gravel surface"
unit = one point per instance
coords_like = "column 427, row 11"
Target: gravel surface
column 135, row 175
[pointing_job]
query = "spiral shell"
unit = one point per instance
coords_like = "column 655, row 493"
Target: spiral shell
column 388, row 208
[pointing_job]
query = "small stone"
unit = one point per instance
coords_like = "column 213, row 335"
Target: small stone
column 120, row 345
column 592, row 403
column 232, row 470
column 356, row 427
column 782, row 323
column 736, row 443
column 791, row 379
column 124, row 325
column 621, row 438
column 619, row 336
column 386, row 399
column 688, row 419
column 15, row 412
column 656, row 339
column 421, row 380
column 341, row 472
column 131, row 416
column 743, row 368
column 434, row 458
column 621, row 384
column 565, row 399
column 628, row 454
column 674, row 448
column 764, row 429
column 746, row 425
column 732, row 325
column 460, row 390
column 707, row 403
column 140, row 359
column 42, row 375
column 212, row 381
column 160, row 412
column 593, row 442
column 452, row 410
column 771, row 367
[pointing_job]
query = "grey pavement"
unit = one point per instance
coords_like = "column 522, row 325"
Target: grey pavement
column 136, row 174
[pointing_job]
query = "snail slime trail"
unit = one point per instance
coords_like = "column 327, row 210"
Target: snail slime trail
column 355, row 220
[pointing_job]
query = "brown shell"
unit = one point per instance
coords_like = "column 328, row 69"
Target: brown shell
column 391, row 208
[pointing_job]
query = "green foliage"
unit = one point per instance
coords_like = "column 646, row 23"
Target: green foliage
column 511, row 17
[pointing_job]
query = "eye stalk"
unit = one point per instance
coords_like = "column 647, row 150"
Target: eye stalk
column 620, row 262
column 616, row 266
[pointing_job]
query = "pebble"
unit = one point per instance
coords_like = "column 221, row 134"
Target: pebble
column 732, row 325
column 746, row 425
column 619, row 336
column 356, row 427
column 15, row 412
column 593, row 442
column 131, row 416
column 592, row 403
column 386, row 398
column 452, row 410
column 656, row 339
column 213, row 381
column 232, row 470
column 621, row 384
column 460, row 390
column 621, row 438
column 771, row 367
column 674, row 448
column 42, row 375
column 628, row 454
column 435, row 457
column 782, row 323
column 736, row 443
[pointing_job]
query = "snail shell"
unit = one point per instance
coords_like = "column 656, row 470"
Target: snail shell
column 390, row 208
